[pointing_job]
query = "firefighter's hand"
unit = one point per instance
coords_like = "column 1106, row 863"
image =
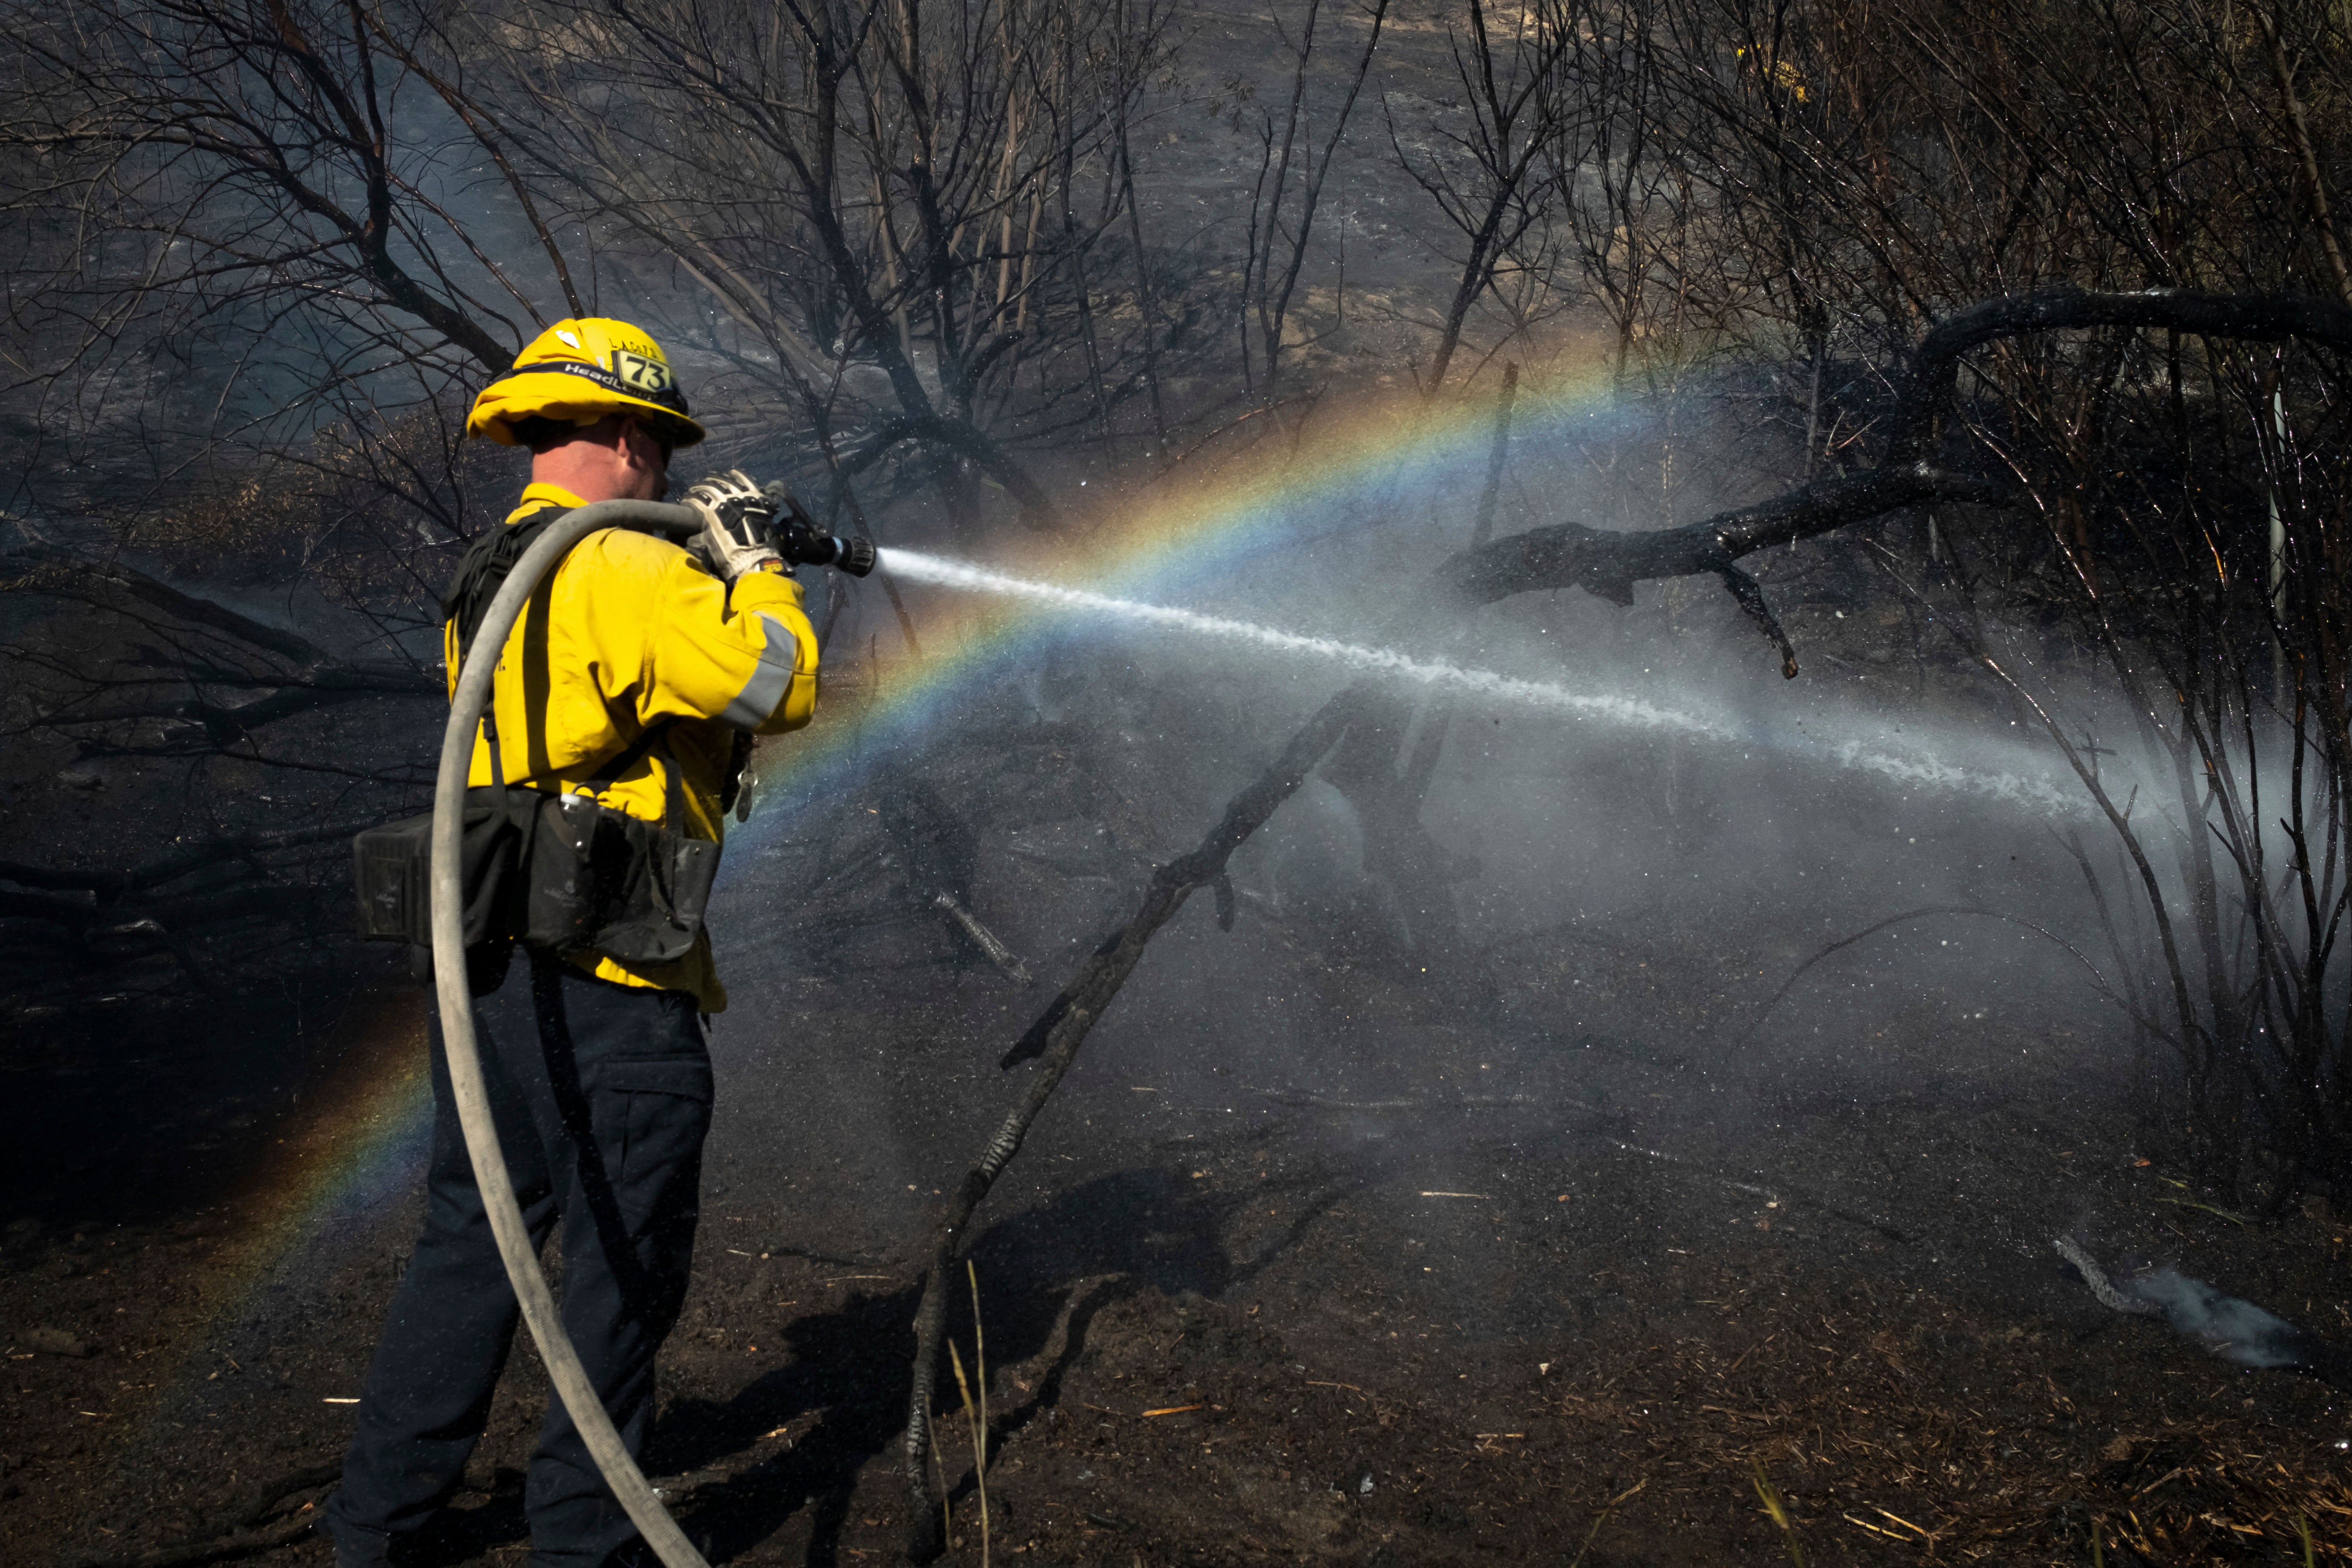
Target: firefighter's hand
column 736, row 520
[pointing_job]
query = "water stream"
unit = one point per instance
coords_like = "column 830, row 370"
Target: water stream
column 1907, row 766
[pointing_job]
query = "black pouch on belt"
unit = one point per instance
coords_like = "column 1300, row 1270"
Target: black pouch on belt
column 562, row 873
column 603, row 881
column 392, row 870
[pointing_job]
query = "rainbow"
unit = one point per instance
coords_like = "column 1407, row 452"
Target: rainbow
column 1172, row 534
column 364, row 1144
column 359, row 1146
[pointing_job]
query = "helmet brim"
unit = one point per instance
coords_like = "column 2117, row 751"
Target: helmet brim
column 560, row 397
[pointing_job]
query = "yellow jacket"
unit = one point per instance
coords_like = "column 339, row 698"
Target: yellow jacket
column 629, row 630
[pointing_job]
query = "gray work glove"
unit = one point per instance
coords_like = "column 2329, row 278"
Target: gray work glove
column 736, row 519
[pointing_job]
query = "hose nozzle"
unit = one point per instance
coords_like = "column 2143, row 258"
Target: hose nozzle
column 802, row 542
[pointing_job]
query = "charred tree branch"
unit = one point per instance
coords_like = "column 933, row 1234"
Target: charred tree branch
column 110, row 886
column 1926, row 390
column 1608, row 564
column 1570, row 555
column 1056, row 1036
column 957, row 436
column 101, row 580
column 2098, row 982
column 318, row 680
column 1751, row 594
column 245, row 1532
column 225, row 726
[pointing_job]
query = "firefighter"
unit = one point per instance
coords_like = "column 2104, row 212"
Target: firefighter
column 638, row 675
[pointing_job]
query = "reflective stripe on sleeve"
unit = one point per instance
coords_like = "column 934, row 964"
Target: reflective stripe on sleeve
column 768, row 683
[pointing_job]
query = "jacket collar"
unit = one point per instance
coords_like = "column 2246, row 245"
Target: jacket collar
column 539, row 496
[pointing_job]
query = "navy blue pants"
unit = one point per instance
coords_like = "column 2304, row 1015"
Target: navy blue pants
column 601, row 1096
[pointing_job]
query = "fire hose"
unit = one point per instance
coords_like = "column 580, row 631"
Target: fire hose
column 521, row 1259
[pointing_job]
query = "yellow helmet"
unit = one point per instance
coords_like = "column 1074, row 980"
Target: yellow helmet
column 578, row 371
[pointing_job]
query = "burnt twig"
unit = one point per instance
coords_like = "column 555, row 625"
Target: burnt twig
column 316, row 680
column 240, row 1534
column 113, row 585
column 938, row 847
column 2098, row 981
column 1779, row 1190
column 1751, row 594
column 987, row 941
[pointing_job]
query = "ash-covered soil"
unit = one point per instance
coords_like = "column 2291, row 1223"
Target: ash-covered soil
column 1545, row 1250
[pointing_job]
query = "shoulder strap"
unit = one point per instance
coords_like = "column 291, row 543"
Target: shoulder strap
column 484, row 568
column 481, row 572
